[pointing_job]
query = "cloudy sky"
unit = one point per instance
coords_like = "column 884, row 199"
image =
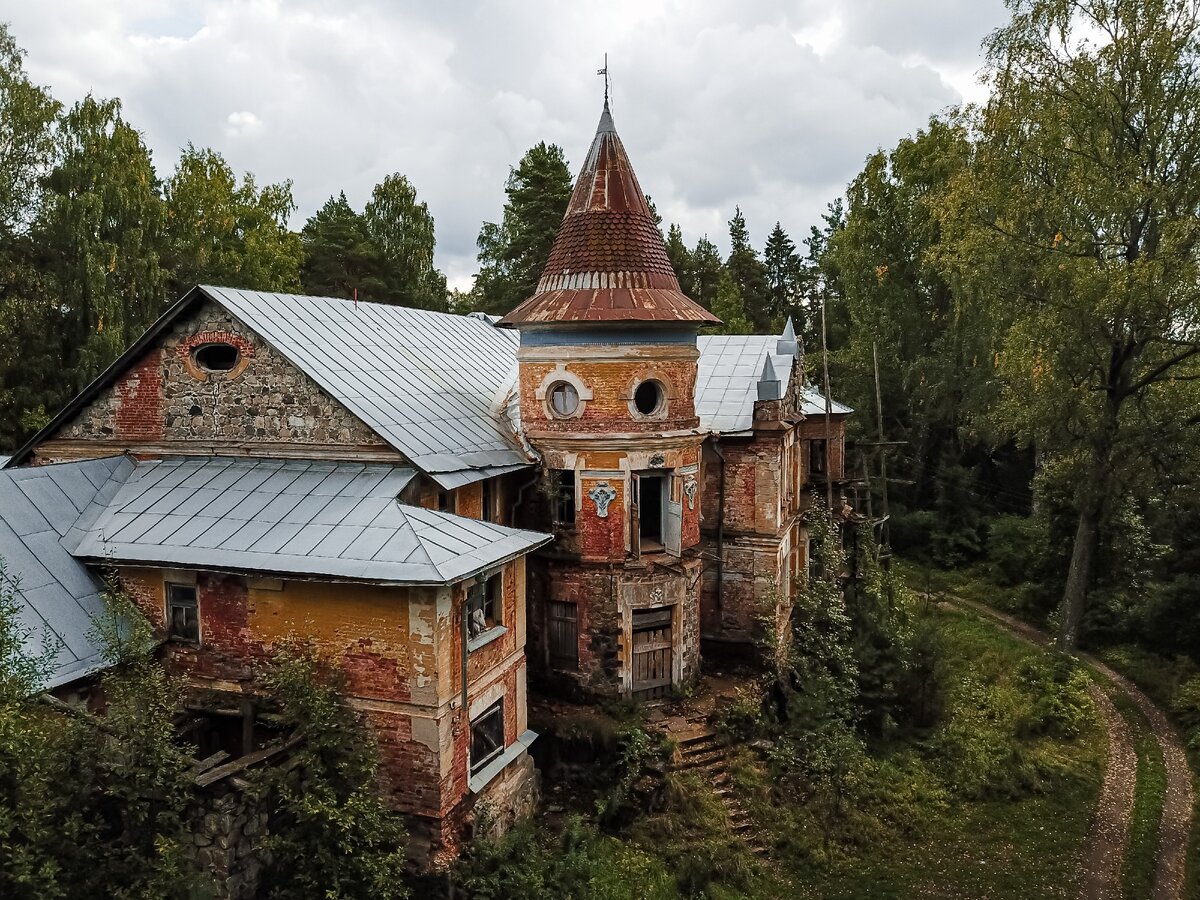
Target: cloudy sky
column 770, row 105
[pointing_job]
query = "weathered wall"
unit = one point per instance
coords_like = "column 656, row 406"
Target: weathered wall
column 164, row 401
column 401, row 652
column 611, row 382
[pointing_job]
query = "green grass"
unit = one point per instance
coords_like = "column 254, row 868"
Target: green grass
column 916, row 835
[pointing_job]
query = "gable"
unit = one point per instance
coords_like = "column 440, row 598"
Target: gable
column 162, row 402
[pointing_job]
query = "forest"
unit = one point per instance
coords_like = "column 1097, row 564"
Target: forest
column 1010, row 300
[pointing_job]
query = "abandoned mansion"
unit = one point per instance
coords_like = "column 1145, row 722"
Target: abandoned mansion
column 584, row 497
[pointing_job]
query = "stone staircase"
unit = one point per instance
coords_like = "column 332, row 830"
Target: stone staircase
column 701, row 753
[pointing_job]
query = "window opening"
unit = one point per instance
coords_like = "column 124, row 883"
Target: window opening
column 183, row 613
column 648, row 397
column 217, row 357
column 650, row 511
column 485, row 508
column 564, row 635
column 487, row 736
column 564, row 399
column 485, row 606
column 816, row 457
column 445, row 501
column 564, row 497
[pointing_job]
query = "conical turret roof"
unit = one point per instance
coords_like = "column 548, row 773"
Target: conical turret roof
column 608, row 263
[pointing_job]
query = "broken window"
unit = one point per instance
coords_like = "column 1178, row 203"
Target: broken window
column 564, row 497
column 564, row 635
column 485, row 606
column 217, row 357
column 816, row 456
column 445, row 501
column 183, row 613
column 648, row 398
column 487, row 736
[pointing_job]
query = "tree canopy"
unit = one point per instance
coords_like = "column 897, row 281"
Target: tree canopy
column 513, row 252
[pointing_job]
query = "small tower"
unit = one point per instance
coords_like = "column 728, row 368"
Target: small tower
column 607, row 380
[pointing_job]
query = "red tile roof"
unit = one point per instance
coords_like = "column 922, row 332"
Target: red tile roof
column 608, row 263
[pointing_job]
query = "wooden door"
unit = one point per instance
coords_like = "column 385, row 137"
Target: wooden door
column 652, row 653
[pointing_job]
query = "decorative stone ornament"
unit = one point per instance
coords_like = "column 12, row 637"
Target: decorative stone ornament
column 690, row 487
column 657, row 461
column 602, row 495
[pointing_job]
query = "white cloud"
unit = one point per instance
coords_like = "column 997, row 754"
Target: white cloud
column 769, row 105
column 242, row 122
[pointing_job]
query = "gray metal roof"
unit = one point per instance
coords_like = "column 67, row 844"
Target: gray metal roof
column 431, row 384
column 292, row 517
column 727, row 380
column 58, row 595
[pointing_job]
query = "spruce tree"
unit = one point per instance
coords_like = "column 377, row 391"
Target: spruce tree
column 748, row 273
column 783, row 274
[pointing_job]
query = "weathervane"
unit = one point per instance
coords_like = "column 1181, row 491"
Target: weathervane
column 604, row 72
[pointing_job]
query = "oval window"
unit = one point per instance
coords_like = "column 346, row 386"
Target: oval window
column 564, row 399
column 217, row 357
column 648, row 398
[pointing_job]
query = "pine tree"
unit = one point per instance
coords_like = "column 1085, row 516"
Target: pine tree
column 340, row 259
column 748, row 273
column 513, row 253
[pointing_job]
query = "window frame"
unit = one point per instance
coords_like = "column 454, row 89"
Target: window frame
column 660, row 407
column 554, row 389
column 225, row 346
column 494, row 712
column 489, row 595
column 564, row 497
column 170, row 602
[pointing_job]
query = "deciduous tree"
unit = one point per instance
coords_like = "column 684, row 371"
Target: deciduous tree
column 1080, row 215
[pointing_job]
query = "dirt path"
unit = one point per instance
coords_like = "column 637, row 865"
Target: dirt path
column 1110, row 830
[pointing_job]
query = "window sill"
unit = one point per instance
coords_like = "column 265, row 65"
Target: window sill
column 486, row 638
column 486, row 775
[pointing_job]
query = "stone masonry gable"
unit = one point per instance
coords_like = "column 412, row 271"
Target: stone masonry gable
column 165, row 400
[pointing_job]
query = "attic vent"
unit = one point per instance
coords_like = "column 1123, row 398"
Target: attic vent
column 217, row 357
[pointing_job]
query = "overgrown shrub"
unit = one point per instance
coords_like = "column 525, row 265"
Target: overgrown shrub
column 1061, row 706
column 331, row 834
column 1016, row 549
column 578, row 863
column 1186, row 707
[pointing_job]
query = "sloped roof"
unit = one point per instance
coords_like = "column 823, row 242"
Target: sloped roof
column 608, row 262
column 727, row 376
column 58, row 596
column 431, row 384
column 292, row 517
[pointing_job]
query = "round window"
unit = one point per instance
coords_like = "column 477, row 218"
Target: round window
column 564, row 399
column 648, row 398
column 217, row 357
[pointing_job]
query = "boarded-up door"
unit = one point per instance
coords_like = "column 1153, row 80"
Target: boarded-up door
column 564, row 635
column 652, row 657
